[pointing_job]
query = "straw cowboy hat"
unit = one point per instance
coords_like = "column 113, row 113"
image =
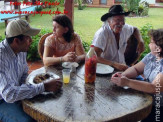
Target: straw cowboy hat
column 113, row 11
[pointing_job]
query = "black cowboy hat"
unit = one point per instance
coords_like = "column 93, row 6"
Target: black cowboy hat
column 113, row 11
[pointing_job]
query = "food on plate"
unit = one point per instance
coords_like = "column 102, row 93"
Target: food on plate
column 40, row 78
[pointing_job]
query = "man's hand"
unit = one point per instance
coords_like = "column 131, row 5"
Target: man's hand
column 53, row 85
column 121, row 67
column 140, row 47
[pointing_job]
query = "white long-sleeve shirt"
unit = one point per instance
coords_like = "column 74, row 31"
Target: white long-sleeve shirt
column 13, row 72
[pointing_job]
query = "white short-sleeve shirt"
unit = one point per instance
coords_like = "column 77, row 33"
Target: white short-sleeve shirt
column 105, row 40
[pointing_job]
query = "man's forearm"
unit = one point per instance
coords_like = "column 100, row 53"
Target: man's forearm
column 104, row 61
column 130, row 73
column 118, row 66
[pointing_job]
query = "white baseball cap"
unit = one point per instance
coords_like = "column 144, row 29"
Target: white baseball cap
column 18, row 27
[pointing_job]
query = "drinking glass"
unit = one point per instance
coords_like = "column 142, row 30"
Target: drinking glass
column 66, row 75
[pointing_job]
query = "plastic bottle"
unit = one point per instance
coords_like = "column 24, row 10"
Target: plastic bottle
column 90, row 65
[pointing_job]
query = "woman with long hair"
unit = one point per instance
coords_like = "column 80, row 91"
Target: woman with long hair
column 63, row 45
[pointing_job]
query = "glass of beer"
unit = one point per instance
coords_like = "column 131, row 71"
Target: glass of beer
column 66, row 75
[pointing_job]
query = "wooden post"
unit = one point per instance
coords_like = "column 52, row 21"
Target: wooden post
column 33, row 2
column 69, row 6
column 15, row 6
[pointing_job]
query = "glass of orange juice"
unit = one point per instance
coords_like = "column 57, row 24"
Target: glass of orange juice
column 66, row 75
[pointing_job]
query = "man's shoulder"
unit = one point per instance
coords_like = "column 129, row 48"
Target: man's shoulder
column 3, row 53
column 126, row 26
column 2, row 48
column 128, row 29
column 104, row 29
column 23, row 54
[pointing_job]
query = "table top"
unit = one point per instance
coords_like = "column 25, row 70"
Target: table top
column 77, row 101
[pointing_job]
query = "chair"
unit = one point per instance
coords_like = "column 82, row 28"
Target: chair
column 41, row 44
column 131, row 56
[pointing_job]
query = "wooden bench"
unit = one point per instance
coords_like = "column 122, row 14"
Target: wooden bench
column 6, row 19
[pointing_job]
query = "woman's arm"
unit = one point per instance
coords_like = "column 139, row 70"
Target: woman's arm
column 134, row 84
column 147, row 87
column 79, row 50
column 49, row 51
column 48, row 58
column 140, row 85
column 135, row 70
column 80, row 53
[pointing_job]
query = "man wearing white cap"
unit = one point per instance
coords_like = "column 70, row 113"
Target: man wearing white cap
column 110, row 41
column 14, row 70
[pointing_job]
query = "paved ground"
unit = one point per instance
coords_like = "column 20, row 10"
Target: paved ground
column 34, row 65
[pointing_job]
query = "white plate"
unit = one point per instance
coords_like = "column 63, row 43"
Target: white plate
column 101, row 69
column 126, row 87
column 40, row 71
column 70, row 64
column 104, row 69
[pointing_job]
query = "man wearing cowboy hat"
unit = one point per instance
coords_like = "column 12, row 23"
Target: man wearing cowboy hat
column 14, row 71
column 110, row 40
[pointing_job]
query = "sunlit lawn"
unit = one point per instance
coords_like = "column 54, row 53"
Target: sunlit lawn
column 161, row 3
column 87, row 21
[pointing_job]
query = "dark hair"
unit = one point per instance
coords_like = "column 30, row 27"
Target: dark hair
column 64, row 21
column 157, row 36
column 11, row 39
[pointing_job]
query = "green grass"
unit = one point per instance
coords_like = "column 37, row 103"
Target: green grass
column 161, row 4
column 87, row 21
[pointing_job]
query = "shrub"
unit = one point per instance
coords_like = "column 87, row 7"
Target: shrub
column 144, row 32
column 38, row 8
column 143, row 8
column 33, row 50
column 135, row 7
column 86, row 45
column 2, row 38
column 131, row 5
column 81, row 6
column 61, row 2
